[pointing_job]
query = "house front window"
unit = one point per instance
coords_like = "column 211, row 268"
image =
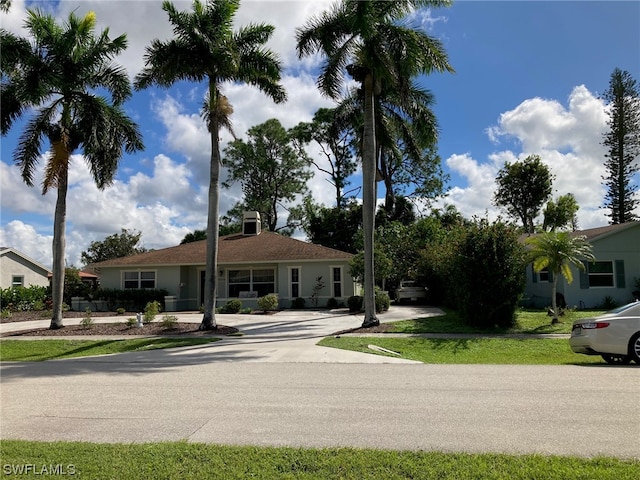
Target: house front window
column 294, row 285
column 543, row 276
column 139, row 280
column 261, row 281
column 336, row 281
column 601, row 274
column 17, row 281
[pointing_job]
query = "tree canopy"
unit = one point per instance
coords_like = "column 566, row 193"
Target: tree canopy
column 117, row 245
column 623, row 141
column 523, row 187
column 271, row 171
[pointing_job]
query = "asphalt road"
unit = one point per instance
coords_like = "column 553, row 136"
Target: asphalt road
column 565, row 410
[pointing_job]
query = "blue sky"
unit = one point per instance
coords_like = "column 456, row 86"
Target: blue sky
column 528, row 79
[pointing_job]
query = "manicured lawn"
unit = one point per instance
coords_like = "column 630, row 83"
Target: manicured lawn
column 528, row 321
column 199, row 461
column 38, row 350
column 469, row 350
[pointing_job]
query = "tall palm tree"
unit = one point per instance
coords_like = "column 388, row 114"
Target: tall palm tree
column 370, row 42
column 406, row 135
column 54, row 77
column 205, row 48
column 558, row 251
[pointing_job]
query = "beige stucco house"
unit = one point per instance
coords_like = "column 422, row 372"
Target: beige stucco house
column 614, row 274
column 251, row 264
column 18, row 270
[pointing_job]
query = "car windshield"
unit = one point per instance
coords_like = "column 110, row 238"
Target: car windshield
column 623, row 308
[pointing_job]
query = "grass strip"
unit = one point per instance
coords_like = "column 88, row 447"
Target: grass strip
column 527, row 321
column 171, row 460
column 40, row 350
column 500, row 351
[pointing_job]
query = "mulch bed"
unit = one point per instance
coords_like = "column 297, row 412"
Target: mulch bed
column 119, row 327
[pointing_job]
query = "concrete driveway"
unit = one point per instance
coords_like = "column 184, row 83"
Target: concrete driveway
column 289, row 336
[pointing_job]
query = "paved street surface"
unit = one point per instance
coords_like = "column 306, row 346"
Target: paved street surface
column 274, row 387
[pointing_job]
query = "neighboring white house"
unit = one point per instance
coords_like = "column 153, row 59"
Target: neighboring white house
column 251, row 264
column 18, row 270
column 614, row 274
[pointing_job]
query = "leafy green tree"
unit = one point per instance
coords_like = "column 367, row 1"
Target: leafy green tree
column 561, row 213
column 194, row 236
column 623, row 141
column 374, row 43
column 558, row 251
column 205, row 48
column 55, row 76
column 271, row 171
column 117, row 245
column 334, row 138
column 336, row 227
column 384, row 267
column 523, row 187
column 406, row 134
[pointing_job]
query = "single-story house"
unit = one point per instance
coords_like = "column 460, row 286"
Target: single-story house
column 251, row 264
column 18, row 270
column 615, row 273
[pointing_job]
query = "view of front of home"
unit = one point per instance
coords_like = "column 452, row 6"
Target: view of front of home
column 251, row 264
column 614, row 274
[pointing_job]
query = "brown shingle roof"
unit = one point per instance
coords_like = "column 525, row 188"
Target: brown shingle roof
column 235, row 248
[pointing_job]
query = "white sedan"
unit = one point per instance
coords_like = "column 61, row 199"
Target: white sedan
column 614, row 335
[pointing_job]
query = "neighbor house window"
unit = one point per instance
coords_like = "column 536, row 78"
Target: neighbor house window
column 294, row 279
column 139, row 280
column 336, row 281
column 261, row 281
column 601, row 274
column 17, row 281
column 543, row 275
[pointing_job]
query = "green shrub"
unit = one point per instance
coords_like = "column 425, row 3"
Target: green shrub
column 87, row 321
column 608, row 303
column 298, row 303
column 232, row 306
column 5, row 313
column 382, row 301
column 332, row 303
column 268, row 302
column 132, row 300
column 169, row 322
column 355, row 303
column 150, row 311
column 132, row 322
column 487, row 274
column 120, row 310
column 28, row 298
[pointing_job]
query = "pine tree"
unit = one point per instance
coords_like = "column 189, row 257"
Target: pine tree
column 623, row 142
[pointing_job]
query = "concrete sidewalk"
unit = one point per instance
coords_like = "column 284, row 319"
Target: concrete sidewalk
column 289, row 336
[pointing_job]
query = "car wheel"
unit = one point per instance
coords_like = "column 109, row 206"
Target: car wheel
column 615, row 359
column 634, row 348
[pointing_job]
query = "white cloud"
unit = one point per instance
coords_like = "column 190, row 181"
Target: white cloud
column 567, row 140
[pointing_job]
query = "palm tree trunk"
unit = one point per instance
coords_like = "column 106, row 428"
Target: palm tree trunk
column 554, row 304
column 213, row 226
column 58, row 247
column 369, row 202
